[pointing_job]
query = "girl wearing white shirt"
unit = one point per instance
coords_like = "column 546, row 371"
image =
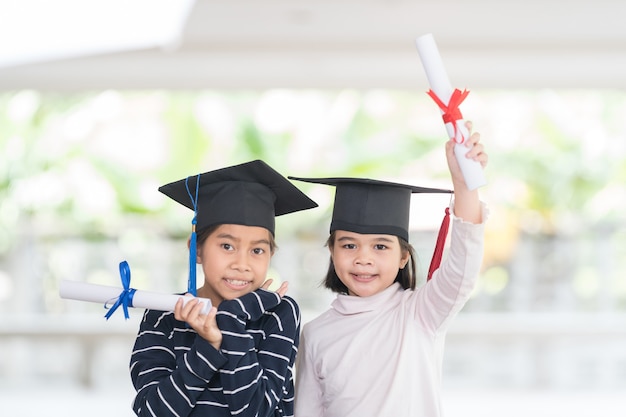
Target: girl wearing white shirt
column 378, row 350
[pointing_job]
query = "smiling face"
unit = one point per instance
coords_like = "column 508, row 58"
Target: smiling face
column 367, row 264
column 235, row 260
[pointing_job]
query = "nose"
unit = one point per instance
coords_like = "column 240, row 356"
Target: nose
column 241, row 262
column 363, row 257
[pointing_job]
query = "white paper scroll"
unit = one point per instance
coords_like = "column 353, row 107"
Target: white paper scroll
column 83, row 291
column 440, row 85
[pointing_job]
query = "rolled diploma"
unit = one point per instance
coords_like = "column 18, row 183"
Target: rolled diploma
column 440, row 84
column 83, row 291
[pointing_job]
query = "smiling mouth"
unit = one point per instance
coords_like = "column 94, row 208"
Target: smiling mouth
column 236, row 283
column 363, row 277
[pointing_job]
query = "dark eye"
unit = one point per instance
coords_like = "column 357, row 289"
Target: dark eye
column 349, row 246
column 227, row 246
column 380, row 246
column 258, row 251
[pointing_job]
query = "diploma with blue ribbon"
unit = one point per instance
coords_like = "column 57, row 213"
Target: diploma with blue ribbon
column 125, row 296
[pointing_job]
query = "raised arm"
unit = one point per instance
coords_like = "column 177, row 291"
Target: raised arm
column 437, row 302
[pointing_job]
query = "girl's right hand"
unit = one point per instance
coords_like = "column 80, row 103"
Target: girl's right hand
column 282, row 290
column 204, row 324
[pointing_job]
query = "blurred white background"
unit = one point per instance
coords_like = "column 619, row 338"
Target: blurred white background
column 98, row 107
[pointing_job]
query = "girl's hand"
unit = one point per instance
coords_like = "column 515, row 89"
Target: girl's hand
column 475, row 152
column 282, row 290
column 466, row 202
column 204, row 324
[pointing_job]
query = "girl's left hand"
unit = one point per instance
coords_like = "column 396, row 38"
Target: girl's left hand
column 282, row 290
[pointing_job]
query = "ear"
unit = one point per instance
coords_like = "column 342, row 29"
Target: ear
column 404, row 260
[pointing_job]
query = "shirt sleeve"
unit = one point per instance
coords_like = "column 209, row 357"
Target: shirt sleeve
column 308, row 401
column 441, row 298
column 257, row 377
column 165, row 385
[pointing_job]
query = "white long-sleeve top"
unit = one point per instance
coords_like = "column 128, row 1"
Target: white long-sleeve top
column 381, row 356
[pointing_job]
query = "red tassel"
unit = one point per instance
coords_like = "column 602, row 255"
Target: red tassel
column 441, row 242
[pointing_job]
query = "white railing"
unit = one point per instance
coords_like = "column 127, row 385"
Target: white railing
column 482, row 349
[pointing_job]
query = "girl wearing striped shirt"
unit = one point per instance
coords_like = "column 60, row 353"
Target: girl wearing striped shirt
column 237, row 358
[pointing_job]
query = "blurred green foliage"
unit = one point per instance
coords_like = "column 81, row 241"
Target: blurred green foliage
column 558, row 153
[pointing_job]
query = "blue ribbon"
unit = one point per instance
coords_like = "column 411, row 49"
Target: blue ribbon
column 125, row 298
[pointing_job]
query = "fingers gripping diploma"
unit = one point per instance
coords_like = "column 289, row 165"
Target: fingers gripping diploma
column 466, row 201
column 204, row 324
column 475, row 152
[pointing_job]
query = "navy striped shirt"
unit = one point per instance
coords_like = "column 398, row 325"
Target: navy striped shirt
column 178, row 373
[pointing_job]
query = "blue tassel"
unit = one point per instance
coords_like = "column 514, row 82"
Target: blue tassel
column 191, row 286
column 191, row 283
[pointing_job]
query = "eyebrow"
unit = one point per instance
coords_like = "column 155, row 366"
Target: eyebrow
column 236, row 239
column 378, row 239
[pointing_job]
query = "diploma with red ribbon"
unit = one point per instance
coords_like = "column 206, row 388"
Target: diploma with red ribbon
column 449, row 102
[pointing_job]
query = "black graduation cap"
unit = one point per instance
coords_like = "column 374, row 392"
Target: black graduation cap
column 369, row 206
column 250, row 194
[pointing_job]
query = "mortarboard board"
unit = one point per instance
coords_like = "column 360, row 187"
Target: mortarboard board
column 249, row 194
column 369, row 206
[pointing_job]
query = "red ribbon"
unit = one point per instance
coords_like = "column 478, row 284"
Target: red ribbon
column 451, row 111
column 441, row 241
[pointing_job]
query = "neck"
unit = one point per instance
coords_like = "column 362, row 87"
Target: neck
column 204, row 292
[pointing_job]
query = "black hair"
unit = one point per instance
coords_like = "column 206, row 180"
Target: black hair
column 406, row 276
